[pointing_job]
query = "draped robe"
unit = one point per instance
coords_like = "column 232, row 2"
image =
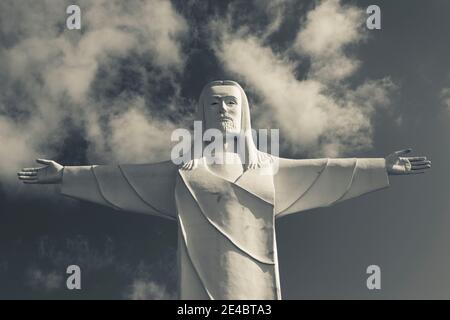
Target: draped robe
column 226, row 229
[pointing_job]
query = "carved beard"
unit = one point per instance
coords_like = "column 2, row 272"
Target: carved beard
column 228, row 125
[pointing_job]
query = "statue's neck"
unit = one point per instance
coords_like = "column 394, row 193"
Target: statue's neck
column 227, row 165
column 229, row 151
column 225, row 157
column 229, row 148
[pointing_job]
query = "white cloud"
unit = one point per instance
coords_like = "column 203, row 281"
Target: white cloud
column 140, row 139
column 48, row 281
column 48, row 72
column 445, row 97
column 148, row 290
column 106, row 259
column 275, row 11
column 314, row 114
column 329, row 28
column 154, row 25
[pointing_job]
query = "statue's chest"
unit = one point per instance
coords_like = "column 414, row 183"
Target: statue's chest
column 223, row 182
column 242, row 209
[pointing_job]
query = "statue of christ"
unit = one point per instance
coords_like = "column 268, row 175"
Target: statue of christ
column 226, row 210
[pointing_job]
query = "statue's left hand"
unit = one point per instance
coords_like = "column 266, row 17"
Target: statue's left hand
column 397, row 163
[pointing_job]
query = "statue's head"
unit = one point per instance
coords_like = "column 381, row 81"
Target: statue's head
column 223, row 105
column 223, row 108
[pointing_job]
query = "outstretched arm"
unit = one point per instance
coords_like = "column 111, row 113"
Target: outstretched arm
column 306, row 184
column 146, row 188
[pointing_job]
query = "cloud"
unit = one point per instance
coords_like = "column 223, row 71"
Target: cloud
column 103, row 262
column 329, row 29
column 154, row 25
column 275, row 10
column 148, row 290
column 445, row 97
column 40, row 280
column 49, row 74
column 139, row 138
column 100, row 81
column 315, row 115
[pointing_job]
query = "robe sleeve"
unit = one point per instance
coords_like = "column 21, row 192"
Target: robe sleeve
column 311, row 183
column 143, row 188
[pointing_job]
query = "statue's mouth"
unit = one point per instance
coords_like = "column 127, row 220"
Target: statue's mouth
column 225, row 119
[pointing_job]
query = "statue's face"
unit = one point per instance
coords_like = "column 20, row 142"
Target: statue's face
column 222, row 108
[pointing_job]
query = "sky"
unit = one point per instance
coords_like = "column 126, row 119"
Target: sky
column 114, row 91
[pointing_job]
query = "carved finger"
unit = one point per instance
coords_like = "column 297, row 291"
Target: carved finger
column 27, row 178
column 426, row 166
column 404, row 151
column 420, row 163
column 414, row 159
column 27, row 173
column 416, row 172
column 44, row 161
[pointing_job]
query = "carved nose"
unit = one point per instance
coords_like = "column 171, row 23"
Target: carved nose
column 223, row 107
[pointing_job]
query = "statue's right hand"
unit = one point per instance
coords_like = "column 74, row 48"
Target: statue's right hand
column 51, row 172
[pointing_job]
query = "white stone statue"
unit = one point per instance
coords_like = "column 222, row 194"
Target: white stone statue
column 226, row 212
